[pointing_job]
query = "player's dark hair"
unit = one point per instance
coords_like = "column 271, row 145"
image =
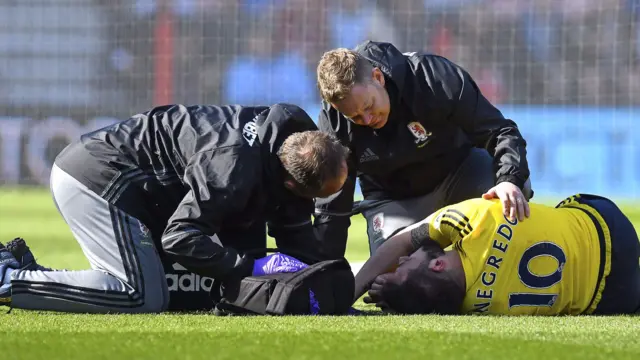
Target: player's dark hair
column 424, row 291
column 312, row 158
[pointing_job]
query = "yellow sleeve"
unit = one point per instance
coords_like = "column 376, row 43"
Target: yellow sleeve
column 450, row 224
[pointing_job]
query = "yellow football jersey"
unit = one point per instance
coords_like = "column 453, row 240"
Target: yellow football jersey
column 548, row 264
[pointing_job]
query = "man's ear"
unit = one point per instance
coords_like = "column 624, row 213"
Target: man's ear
column 290, row 184
column 377, row 76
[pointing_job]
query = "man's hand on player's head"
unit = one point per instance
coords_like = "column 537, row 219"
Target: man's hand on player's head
column 514, row 204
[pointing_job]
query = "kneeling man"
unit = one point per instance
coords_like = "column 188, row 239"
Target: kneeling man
column 197, row 186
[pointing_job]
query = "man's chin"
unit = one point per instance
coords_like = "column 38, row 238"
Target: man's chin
column 380, row 124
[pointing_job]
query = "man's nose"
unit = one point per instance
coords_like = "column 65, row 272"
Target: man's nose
column 366, row 118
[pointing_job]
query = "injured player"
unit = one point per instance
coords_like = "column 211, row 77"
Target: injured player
column 581, row 257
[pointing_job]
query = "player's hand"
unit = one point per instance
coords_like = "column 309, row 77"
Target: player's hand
column 513, row 201
column 374, row 295
column 276, row 264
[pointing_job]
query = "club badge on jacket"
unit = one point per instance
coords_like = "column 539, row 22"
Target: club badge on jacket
column 419, row 132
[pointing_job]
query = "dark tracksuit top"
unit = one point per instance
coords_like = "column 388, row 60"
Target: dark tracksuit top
column 189, row 172
column 437, row 115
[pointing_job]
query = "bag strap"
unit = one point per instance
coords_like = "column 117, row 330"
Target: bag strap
column 285, row 288
column 226, row 309
column 214, row 293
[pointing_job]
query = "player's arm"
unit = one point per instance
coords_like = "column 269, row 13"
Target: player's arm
column 402, row 244
column 333, row 214
column 220, row 182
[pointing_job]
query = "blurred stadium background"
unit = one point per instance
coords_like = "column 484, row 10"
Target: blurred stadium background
column 566, row 71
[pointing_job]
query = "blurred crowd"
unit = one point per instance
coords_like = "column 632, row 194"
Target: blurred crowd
column 100, row 55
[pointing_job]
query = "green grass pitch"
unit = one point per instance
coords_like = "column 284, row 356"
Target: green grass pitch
column 30, row 213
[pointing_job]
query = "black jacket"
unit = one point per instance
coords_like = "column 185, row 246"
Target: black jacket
column 437, row 115
column 191, row 172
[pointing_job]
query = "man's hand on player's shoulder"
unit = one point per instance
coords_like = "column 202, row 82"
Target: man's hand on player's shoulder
column 513, row 201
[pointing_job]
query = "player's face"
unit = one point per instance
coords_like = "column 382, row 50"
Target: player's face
column 368, row 103
column 431, row 256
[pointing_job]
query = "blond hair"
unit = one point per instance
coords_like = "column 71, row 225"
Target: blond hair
column 338, row 71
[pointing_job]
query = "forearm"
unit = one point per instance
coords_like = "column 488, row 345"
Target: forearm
column 332, row 233
column 489, row 129
column 386, row 257
column 510, row 156
column 199, row 254
column 333, row 218
column 300, row 239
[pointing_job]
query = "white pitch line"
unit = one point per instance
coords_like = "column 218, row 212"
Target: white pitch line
column 356, row 266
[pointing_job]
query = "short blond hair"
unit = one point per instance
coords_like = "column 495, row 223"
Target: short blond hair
column 338, row 71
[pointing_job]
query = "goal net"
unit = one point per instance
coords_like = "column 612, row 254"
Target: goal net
column 566, row 71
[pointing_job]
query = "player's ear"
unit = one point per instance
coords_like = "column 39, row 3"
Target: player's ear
column 437, row 265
